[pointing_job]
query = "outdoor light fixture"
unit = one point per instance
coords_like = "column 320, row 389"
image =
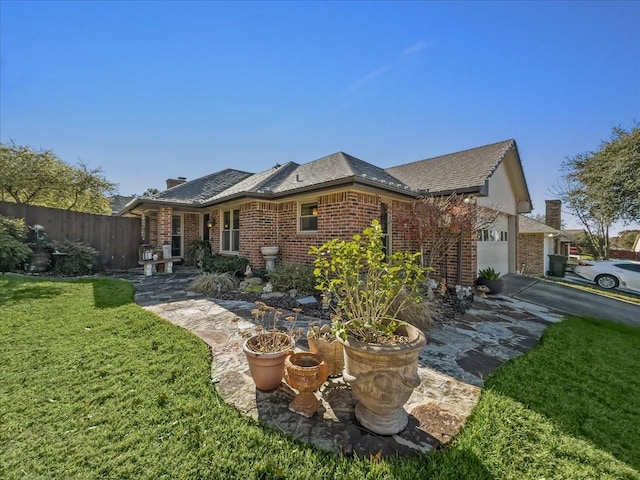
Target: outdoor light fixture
column 211, row 223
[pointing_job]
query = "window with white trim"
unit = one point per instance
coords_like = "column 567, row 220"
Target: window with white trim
column 492, row 236
column 230, row 231
column 308, row 221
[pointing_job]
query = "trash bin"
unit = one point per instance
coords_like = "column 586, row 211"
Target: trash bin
column 557, row 265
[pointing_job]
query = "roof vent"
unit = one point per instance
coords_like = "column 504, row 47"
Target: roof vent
column 298, row 178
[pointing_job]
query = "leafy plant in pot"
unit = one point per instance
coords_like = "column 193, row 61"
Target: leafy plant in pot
column 322, row 341
column 491, row 279
column 267, row 350
column 380, row 352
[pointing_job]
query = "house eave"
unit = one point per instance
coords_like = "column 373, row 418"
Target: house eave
column 341, row 182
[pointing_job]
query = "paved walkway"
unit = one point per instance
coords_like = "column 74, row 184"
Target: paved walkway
column 458, row 356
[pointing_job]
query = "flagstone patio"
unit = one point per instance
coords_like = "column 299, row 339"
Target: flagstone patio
column 458, row 356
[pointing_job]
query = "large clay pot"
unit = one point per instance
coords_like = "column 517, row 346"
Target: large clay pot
column 495, row 286
column 332, row 352
column 267, row 369
column 382, row 378
column 305, row 372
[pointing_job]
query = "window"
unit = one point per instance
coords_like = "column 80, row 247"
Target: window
column 492, row 236
column 176, row 236
column 230, row 231
column 384, row 223
column 632, row 267
column 206, row 218
column 308, row 217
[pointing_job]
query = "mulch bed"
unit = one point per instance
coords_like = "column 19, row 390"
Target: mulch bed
column 444, row 308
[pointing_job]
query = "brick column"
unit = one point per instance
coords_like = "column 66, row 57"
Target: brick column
column 165, row 215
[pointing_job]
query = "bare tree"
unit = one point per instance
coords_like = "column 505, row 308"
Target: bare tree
column 436, row 224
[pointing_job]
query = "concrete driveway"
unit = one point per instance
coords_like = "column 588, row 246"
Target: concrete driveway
column 570, row 300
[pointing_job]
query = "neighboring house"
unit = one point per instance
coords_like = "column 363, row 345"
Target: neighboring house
column 536, row 241
column 295, row 206
column 636, row 244
column 118, row 202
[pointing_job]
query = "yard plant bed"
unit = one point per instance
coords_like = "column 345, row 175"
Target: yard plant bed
column 93, row 386
column 444, row 308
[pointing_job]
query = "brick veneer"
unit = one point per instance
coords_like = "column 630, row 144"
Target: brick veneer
column 531, row 253
column 340, row 215
column 165, row 215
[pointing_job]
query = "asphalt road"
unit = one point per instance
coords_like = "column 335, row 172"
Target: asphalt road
column 570, row 300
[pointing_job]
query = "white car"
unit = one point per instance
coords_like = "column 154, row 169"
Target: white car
column 611, row 273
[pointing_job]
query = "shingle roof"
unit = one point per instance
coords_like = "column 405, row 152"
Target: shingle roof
column 461, row 171
column 529, row 225
column 263, row 182
column 204, row 187
column 118, row 202
column 457, row 171
column 333, row 167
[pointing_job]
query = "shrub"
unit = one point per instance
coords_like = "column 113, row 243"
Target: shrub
column 225, row 264
column 13, row 249
column 286, row 276
column 198, row 252
column 79, row 258
column 209, row 283
column 489, row 274
column 417, row 314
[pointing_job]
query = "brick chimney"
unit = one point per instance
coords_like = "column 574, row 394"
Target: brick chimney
column 174, row 182
column 553, row 216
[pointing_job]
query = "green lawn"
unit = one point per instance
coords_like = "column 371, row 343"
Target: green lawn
column 92, row 386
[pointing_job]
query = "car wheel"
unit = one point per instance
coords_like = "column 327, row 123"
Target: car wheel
column 607, row 281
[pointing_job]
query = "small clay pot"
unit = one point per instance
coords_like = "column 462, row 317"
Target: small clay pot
column 305, row 372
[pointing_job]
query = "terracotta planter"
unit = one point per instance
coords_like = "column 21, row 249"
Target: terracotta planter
column 332, row 352
column 305, row 372
column 267, row 369
column 495, row 286
column 382, row 378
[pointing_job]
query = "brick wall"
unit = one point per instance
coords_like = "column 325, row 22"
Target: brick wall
column 214, row 231
column 164, row 230
column 152, row 220
column 258, row 228
column 191, row 226
column 531, row 253
column 340, row 215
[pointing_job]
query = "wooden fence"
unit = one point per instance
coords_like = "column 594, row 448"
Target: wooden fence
column 116, row 238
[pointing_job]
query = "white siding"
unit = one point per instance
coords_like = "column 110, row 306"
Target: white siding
column 495, row 253
column 501, row 255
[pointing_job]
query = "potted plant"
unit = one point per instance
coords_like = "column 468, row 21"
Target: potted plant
column 199, row 251
column 267, row 350
column 491, row 279
column 305, row 372
column 380, row 352
column 322, row 341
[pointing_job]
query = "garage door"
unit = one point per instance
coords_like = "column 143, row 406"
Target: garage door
column 493, row 247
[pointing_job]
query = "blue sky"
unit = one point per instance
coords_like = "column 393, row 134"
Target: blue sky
column 151, row 90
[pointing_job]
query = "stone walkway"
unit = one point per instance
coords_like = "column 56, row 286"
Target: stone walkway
column 458, row 356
